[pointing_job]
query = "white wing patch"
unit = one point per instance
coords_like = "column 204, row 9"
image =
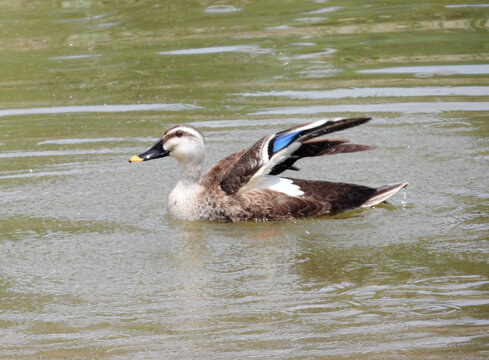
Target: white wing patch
column 267, row 167
column 276, row 183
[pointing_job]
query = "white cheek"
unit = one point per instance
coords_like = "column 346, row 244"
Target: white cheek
column 170, row 145
column 181, row 148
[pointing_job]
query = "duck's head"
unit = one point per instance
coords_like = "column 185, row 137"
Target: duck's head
column 183, row 142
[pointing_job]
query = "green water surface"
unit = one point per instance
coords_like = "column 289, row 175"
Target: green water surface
column 92, row 267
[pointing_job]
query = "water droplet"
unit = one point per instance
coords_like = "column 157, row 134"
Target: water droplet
column 404, row 198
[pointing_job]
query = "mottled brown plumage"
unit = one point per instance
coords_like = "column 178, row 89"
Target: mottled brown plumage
column 244, row 166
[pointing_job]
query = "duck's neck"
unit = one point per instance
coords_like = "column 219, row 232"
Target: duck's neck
column 183, row 201
column 191, row 172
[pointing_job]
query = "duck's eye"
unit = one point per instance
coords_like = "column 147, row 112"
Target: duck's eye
column 179, row 133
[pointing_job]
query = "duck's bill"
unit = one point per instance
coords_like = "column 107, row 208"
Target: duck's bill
column 154, row 152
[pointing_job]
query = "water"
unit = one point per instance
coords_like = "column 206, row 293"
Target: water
column 432, row 70
column 92, row 267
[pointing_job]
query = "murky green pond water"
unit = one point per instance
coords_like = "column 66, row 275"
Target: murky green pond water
column 91, row 265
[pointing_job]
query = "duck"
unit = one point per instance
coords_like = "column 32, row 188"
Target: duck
column 248, row 185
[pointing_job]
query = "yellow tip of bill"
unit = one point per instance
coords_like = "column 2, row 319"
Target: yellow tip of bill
column 135, row 158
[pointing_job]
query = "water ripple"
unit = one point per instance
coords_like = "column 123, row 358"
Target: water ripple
column 88, row 18
column 374, row 92
column 432, row 70
column 74, row 57
column 324, row 10
column 19, row 154
column 326, row 52
column 409, row 107
column 221, row 9
column 98, row 109
column 466, row 6
column 253, row 49
column 93, row 140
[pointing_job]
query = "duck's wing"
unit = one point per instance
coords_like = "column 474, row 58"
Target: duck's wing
column 278, row 152
column 234, row 170
column 318, row 147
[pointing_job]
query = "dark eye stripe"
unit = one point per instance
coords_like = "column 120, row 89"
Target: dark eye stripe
column 178, row 133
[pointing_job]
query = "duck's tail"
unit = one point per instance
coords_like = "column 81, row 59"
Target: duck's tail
column 383, row 193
